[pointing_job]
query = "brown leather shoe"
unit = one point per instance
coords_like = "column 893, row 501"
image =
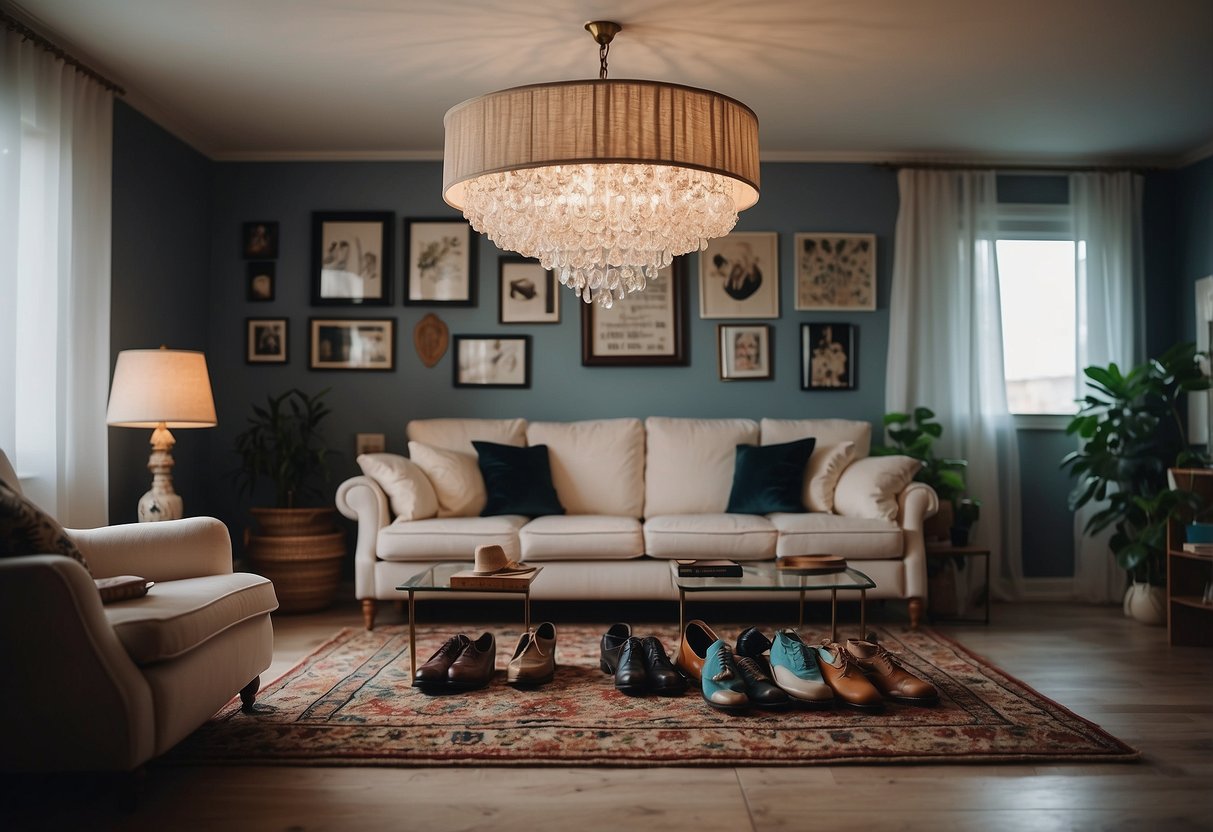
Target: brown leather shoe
column 534, row 661
column 434, row 672
column 885, row 672
column 845, row 678
column 696, row 639
column 474, row 667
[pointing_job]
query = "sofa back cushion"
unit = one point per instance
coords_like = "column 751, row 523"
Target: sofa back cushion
column 689, row 463
column 827, row 432
column 597, row 465
column 455, row 477
column 457, row 434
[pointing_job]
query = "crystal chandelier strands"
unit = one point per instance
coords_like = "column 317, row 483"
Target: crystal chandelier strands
column 603, row 181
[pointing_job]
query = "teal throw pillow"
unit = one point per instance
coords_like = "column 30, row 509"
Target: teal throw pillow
column 518, row 480
column 769, row 478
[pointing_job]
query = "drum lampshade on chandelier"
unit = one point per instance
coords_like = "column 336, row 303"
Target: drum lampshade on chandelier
column 603, row 181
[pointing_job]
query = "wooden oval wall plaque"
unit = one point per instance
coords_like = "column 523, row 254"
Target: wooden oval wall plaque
column 431, row 338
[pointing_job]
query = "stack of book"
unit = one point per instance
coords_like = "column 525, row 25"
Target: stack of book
column 501, row 582
column 1205, row 550
column 709, row 569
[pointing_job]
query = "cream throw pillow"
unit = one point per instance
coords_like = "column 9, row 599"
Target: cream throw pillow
column 455, row 477
column 407, row 487
column 869, row 487
column 821, row 478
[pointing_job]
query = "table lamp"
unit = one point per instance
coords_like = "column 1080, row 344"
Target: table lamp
column 161, row 389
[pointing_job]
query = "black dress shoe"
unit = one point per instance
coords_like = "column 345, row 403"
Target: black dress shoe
column 612, row 644
column 759, row 687
column 664, row 678
column 630, row 676
column 753, row 643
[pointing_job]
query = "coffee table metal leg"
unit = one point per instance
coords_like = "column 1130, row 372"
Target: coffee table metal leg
column 682, row 613
column 863, row 613
column 987, row 588
column 526, row 611
column 833, row 614
column 800, row 620
column 412, row 639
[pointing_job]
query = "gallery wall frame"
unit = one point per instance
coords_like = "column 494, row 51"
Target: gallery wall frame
column 645, row 329
column 352, row 344
column 260, row 277
column 492, row 361
column 266, row 340
column 739, row 276
column 352, row 258
column 259, row 240
column 527, row 293
column 835, row 271
column 743, row 352
column 829, row 356
column 440, row 262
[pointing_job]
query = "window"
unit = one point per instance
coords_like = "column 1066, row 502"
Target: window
column 1035, row 251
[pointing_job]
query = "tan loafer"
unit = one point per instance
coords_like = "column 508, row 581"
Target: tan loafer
column 885, row 672
column 697, row 637
column 534, row 660
column 848, row 682
column 474, row 667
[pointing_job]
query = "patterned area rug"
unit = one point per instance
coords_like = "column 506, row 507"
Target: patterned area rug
column 350, row 703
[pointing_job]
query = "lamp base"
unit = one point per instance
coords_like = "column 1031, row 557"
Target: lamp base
column 157, row 505
column 161, row 502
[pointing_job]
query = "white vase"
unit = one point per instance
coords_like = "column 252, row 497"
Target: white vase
column 1146, row 603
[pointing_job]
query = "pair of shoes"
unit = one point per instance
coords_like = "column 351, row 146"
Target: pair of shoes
column 697, row 637
column 534, row 660
column 705, row 656
column 887, row 675
column 846, row 677
column 640, row 665
column 459, row 664
column 793, row 668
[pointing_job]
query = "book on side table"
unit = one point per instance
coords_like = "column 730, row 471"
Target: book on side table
column 709, row 569
column 504, row 582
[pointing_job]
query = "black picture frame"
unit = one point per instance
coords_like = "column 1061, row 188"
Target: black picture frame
column 259, row 240
column 646, row 329
column 260, row 280
column 366, row 344
column 527, row 293
column 267, row 341
column 343, row 240
column 490, row 361
column 834, row 346
column 440, row 262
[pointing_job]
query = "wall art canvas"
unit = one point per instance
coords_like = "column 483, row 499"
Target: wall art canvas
column 743, row 351
column 352, row 258
column 644, row 329
column 835, row 271
column 259, row 280
column 259, row 240
column 827, row 357
column 527, row 292
column 492, row 361
column 441, row 263
column 739, row 276
column 352, row 344
column 265, row 340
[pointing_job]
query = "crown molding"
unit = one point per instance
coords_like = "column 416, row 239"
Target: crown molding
column 1193, row 156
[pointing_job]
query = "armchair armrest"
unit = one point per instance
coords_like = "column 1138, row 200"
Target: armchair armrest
column 164, row 551
column 361, row 499
column 916, row 503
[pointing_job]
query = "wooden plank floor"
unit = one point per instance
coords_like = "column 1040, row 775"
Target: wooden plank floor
column 1112, row 671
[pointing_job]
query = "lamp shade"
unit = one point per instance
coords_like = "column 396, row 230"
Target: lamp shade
column 161, row 386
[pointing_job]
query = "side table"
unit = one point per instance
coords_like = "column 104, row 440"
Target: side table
column 947, row 550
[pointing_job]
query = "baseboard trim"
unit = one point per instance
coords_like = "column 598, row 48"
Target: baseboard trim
column 1048, row 589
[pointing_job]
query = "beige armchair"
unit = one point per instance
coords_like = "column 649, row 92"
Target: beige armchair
column 97, row 687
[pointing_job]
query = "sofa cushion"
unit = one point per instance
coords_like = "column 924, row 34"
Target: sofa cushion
column 177, row 616
column 457, row 434
column 870, row 487
column 818, row 533
column 516, row 480
column 826, row 431
column 689, row 463
column 733, row 536
column 448, row 538
column 455, row 476
column 821, row 479
column 769, row 478
column 582, row 537
column 26, row 529
column 597, row 465
column 408, row 489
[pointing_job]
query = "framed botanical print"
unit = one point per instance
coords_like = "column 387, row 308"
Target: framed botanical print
column 259, row 240
column 828, row 360
column 527, row 292
column 743, row 351
column 492, row 361
column 835, row 271
column 739, row 276
column 352, row 258
column 644, row 329
column 352, row 344
column 441, row 261
column 265, row 340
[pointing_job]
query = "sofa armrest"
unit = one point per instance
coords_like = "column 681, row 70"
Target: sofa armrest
column 76, row 699
column 914, row 505
column 361, row 499
column 164, row 551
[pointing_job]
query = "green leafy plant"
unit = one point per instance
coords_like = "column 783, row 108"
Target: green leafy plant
column 914, row 434
column 1132, row 431
column 283, row 444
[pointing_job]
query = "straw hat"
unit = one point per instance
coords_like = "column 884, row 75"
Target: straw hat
column 491, row 560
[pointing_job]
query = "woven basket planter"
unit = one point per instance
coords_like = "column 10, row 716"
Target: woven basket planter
column 301, row 552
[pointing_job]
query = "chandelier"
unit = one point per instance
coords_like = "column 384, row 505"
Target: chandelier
column 602, row 181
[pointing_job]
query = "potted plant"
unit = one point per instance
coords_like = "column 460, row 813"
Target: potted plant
column 914, row 434
column 1132, row 431
column 296, row 544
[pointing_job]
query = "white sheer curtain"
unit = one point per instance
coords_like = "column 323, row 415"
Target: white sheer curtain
column 1106, row 212
column 945, row 344
column 55, row 172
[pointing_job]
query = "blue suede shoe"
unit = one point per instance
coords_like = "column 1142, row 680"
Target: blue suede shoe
column 794, row 668
column 723, row 686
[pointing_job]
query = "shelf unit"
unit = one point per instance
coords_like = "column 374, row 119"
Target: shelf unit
column 1189, row 621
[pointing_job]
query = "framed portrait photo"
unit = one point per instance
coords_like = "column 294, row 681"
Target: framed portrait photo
column 644, row 329
column 527, row 292
column 739, row 276
column 259, row 240
column 265, row 340
column 352, row 258
column 492, row 361
column 259, row 277
column 835, row 271
column 352, row 344
column 441, row 262
column 743, row 351
column 828, row 358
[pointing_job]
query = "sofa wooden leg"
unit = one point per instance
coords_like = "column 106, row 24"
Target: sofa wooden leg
column 248, row 694
column 915, row 607
column 368, row 613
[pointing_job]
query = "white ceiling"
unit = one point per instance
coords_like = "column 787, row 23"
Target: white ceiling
column 1032, row 81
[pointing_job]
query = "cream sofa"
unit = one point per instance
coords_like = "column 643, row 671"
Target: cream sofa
column 636, row 494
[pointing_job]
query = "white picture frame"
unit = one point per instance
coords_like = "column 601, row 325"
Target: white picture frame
column 739, row 276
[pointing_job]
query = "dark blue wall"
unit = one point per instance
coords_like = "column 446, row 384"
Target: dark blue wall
column 1193, row 237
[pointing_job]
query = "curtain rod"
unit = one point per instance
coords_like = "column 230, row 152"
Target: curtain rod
column 1030, row 170
column 14, row 25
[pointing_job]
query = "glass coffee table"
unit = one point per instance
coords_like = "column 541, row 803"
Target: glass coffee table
column 766, row 577
column 438, row 579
